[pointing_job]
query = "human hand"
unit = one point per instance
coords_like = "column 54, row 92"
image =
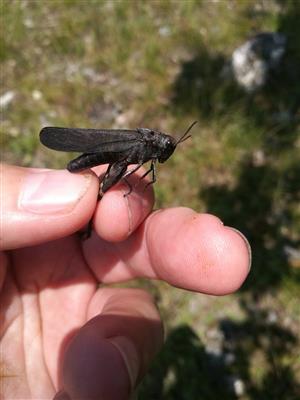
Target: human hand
column 60, row 331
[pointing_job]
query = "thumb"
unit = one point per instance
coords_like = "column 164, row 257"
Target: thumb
column 39, row 205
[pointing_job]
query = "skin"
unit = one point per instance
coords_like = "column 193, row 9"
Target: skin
column 64, row 336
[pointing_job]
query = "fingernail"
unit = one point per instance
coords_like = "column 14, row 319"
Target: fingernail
column 247, row 245
column 61, row 395
column 130, row 356
column 48, row 192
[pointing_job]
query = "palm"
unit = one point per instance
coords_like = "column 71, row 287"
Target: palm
column 47, row 291
column 58, row 330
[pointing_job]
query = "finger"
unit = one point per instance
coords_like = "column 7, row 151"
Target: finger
column 109, row 355
column 39, row 205
column 186, row 249
column 118, row 213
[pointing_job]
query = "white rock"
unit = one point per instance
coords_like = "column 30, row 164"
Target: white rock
column 253, row 61
column 7, row 98
column 36, row 95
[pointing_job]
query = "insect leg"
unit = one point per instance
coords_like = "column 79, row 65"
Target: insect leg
column 114, row 173
column 146, row 173
column 129, row 187
column 153, row 180
column 128, row 173
column 131, row 171
column 153, row 170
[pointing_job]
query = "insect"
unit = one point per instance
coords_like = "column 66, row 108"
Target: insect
column 117, row 147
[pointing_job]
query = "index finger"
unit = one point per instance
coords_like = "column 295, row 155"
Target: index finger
column 118, row 214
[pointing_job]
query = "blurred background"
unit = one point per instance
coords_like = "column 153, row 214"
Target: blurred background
column 163, row 64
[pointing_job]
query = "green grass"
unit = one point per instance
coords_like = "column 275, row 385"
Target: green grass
column 158, row 64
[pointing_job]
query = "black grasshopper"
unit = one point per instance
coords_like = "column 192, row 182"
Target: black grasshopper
column 116, row 147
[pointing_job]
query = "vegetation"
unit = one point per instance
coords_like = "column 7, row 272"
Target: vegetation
column 162, row 64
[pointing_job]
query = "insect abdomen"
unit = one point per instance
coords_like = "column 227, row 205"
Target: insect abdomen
column 86, row 161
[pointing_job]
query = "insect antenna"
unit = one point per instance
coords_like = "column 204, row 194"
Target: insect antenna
column 185, row 136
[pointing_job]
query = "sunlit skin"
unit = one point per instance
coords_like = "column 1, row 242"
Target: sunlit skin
column 63, row 335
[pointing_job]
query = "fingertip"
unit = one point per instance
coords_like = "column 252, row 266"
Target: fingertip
column 93, row 368
column 239, row 259
column 197, row 252
column 42, row 204
column 118, row 214
column 112, row 351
